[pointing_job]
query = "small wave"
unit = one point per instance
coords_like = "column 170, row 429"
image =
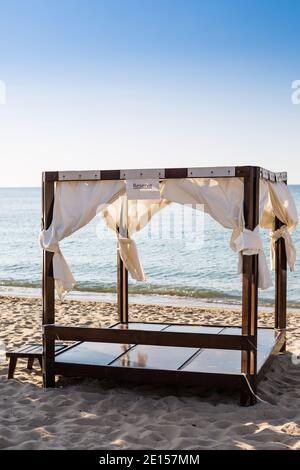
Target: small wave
column 207, row 295
column 17, row 283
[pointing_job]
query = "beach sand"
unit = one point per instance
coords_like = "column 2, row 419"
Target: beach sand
column 91, row 414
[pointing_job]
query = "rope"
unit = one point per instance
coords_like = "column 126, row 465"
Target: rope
column 248, row 383
column 252, row 391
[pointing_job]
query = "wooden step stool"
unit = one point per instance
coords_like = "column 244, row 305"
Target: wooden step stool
column 31, row 352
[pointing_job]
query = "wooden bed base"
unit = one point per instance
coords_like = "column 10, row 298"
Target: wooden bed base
column 246, row 342
column 145, row 355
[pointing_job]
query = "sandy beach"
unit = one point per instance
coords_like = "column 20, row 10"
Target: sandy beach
column 91, row 414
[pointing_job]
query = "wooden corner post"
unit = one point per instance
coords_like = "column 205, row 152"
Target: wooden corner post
column 48, row 291
column 280, row 281
column 122, row 276
column 122, row 287
column 250, row 290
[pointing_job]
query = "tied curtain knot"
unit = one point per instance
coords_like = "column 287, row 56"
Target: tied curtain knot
column 64, row 280
column 248, row 242
column 283, row 232
column 129, row 254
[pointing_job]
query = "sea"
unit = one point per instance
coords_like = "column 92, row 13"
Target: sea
column 185, row 254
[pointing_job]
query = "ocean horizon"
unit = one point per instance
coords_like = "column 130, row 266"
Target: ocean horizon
column 183, row 266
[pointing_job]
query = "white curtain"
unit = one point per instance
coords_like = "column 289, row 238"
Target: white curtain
column 126, row 217
column 280, row 203
column 76, row 203
column 223, row 199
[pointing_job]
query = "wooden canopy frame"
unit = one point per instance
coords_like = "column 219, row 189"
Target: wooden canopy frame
column 246, row 342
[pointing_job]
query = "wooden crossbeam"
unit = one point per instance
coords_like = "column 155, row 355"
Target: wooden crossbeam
column 161, row 173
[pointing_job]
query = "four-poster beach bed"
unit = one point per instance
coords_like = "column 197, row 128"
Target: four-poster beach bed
column 241, row 199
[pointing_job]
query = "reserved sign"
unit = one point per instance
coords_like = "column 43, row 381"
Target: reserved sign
column 143, row 189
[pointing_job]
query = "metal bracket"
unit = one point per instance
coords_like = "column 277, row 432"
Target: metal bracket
column 142, row 174
column 281, row 176
column 219, row 171
column 79, row 175
column 271, row 176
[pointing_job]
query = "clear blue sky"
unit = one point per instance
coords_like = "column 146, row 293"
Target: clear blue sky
column 147, row 83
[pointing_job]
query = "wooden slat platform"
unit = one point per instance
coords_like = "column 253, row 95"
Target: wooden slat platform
column 184, row 359
column 32, row 349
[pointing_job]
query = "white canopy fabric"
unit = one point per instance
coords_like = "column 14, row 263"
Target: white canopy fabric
column 126, row 217
column 223, row 200
column 77, row 203
column 280, row 203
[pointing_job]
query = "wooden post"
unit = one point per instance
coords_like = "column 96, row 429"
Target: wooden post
column 280, row 281
column 250, row 288
column 122, row 286
column 122, row 282
column 48, row 291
